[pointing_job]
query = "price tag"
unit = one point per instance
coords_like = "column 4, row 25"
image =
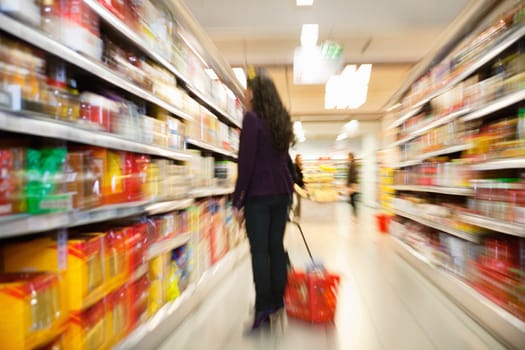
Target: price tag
column 62, row 249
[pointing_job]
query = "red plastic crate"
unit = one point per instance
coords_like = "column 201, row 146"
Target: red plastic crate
column 311, row 296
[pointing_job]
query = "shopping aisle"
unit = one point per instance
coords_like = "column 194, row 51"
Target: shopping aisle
column 383, row 302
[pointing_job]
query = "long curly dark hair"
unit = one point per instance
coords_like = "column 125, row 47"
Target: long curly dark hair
column 268, row 105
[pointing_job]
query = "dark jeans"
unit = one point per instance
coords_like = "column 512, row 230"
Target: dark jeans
column 353, row 201
column 266, row 218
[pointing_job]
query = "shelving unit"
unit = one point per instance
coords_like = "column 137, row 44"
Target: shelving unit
column 496, row 105
column 168, row 206
column 33, row 124
column 406, row 115
column 161, row 167
column 445, row 151
column 492, row 52
column 150, row 334
column 209, row 147
column 430, row 223
column 167, row 245
column 406, row 163
column 210, row 192
column 44, row 42
column 26, row 224
column 505, row 325
column 496, row 164
column 497, row 317
column 510, row 228
column 456, row 191
column 121, row 28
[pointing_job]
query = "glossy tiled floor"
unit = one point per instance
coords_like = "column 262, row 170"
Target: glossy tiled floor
column 383, row 302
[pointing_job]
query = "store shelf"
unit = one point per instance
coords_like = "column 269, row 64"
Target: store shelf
column 507, row 227
column 496, row 164
column 400, row 142
column 502, row 44
column 406, row 163
column 440, row 121
column 509, row 329
column 151, row 334
column 421, row 130
column 458, row 233
column 209, row 147
column 496, row 105
column 44, row 42
column 456, row 191
column 167, row 245
column 123, row 29
column 26, row 224
column 169, row 206
column 25, row 123
column 406, row 115
column 212, row 106
column 210, row 191
column 446, row 150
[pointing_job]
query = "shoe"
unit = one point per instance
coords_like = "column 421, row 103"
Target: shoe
column 261, row 318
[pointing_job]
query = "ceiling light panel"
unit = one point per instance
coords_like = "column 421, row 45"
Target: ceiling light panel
column 309, row 35
column 304, row 2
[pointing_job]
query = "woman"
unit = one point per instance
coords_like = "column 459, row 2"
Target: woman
column 263, row 191
column 352, row 183
column 299, row 181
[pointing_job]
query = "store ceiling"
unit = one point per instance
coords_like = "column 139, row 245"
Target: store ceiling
column 391, row 34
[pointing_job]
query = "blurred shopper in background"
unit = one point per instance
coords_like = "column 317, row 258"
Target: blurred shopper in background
column 299, row 182
column 352, row 183
column 263, row 192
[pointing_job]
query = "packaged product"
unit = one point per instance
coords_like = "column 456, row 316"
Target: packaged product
column 159, row 268
column 74, row 24
column 25, row 10
column 88, row 329
column 32, row 309
column 83, row 178
column 181, row 261
column 22, row 82
column 97, row 111
column 12, row 175
column 117, row 314
column 132, row 178
column 218, row 242
column 46, row 187
column 63, row 100
column 138, row 300
column 80, row 259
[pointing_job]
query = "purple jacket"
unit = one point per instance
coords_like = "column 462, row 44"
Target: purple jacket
column 261, row 169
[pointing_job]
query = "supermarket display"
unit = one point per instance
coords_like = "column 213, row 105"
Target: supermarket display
column 323, row 178
column 117, row 158
column 460, row 175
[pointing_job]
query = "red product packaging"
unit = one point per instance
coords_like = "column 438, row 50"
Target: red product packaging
column 88, row 328
column 118, row 314
column 77, row 26
column 117, row 7
column 116, row 258
column 132, row 177
column 138, row 301
column 97, row 111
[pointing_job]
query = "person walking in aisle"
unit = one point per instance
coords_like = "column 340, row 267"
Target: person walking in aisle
column 263, row 192
column 352, row 183
column 299, row 181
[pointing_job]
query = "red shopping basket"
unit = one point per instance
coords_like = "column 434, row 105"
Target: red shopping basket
column 311, row 296
column 383, row 220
